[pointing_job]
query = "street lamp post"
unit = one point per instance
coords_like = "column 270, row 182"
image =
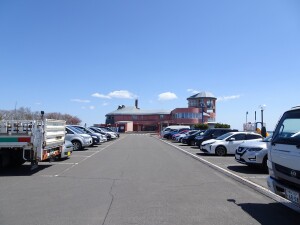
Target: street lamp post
column 202, row 107
column 263, row 128
column 262, row 108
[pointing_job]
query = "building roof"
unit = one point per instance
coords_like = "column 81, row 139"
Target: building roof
column 203, row 94
column 131, row 110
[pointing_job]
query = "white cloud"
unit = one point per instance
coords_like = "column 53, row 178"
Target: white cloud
column 166, row 96
column 80, row 100
column 193, row 91
column 227, row 98
column 116, row 94
column 104, row 104
column 122, row 94
column 98, row 95
column 91, row 107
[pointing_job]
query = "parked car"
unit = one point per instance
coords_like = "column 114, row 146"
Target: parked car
column 67, row 150
column 190, row 132
column 112, row 129
column 78, row 138
column 169, row 134
column 97, row 137
column 171, row 127
column 174, row 136
column 254, row 153
column 190, row 139
column 109, row 135
column 228, row 143
column 212, row 133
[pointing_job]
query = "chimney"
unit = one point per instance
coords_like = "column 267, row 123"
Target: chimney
column 137, row 103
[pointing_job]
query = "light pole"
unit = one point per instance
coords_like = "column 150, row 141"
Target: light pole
column 263, row 128
column 246, row 117
column 202, row 105
column 262, row 108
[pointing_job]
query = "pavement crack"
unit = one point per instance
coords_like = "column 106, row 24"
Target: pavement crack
column 111, row 202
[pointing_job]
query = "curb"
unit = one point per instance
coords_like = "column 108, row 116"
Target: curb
column 242, row 180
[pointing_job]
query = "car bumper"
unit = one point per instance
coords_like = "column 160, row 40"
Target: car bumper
column 249, row 158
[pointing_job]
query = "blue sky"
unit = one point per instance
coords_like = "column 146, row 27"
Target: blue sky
column 87, row 57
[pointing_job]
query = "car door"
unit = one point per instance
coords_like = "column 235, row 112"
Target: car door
column 234, row 141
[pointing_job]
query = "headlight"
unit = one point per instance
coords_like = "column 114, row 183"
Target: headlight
column 253, row 149
column 94, row 137
column 208, row 143
column 87, row 138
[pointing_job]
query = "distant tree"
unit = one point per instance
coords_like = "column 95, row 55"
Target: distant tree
column 73, row 120
column 25, row 113
column 201, row 126
column 222, row 125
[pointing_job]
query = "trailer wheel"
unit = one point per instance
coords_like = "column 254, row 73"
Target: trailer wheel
column 77, row 145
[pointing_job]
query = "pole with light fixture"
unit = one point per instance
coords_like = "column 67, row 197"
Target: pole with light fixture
column 263, row 128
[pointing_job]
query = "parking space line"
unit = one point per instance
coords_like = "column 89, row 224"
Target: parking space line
column 240, row 179
column 87, row 157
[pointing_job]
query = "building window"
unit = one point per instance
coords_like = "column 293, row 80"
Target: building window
column 134, row 117
column 210, row 103
column 161, row 116
column 187, row 115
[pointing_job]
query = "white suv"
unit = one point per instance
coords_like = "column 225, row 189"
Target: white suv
column 254, row 153
column 228, row 143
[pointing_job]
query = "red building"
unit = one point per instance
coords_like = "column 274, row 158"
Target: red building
column 201, row 109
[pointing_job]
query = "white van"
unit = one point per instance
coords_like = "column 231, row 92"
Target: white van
column 173, row 127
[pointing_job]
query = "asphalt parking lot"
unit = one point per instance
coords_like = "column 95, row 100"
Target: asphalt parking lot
column 256, row 175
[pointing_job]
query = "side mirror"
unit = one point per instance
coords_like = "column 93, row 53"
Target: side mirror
column 231, row 139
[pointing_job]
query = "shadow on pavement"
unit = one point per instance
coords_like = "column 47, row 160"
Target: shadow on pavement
column 210, row 155
column 247, row 169
column 24, row 170
column 269, row 214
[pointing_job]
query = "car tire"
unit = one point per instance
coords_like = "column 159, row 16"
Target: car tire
column 77, row 145
column 220, row 151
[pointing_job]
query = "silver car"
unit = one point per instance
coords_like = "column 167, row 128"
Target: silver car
column 254, row 153
column 78, row 138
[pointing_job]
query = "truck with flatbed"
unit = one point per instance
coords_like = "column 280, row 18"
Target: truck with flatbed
column 30, row 140
column 284, row 157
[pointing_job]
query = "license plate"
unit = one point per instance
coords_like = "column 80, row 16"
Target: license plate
column 69, row 153
column 292, row 195
column 237, row 157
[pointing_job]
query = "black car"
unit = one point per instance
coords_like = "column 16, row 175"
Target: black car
column 190, row 139
column 212, row 133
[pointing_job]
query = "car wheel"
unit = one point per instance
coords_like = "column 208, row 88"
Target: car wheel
column 77, row 145
column 221, row 151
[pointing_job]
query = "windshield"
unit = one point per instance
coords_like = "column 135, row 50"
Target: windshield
column 224, row 136
column 207, row 132
column 288, row 129
column 76, row 130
